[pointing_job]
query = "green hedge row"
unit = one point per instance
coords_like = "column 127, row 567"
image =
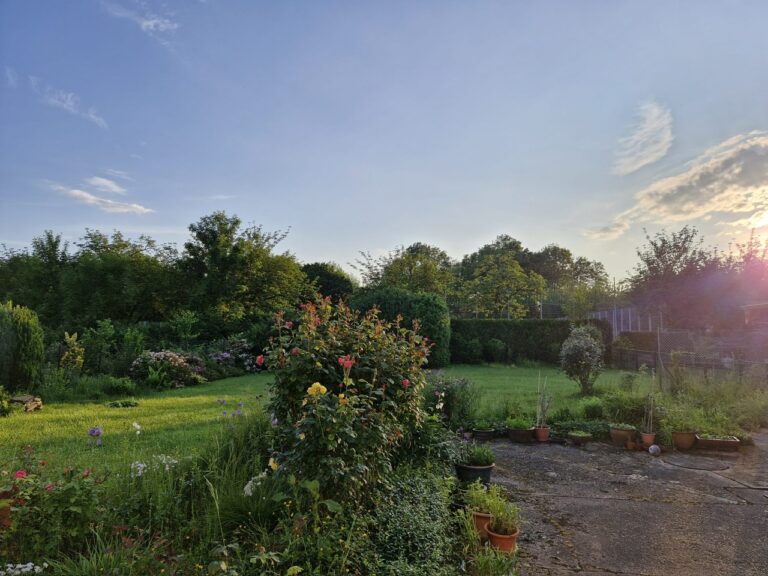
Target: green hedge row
column 430, row 310
column 476, row 340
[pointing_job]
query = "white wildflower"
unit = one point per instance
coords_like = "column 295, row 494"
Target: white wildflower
column 138, row 469
column 137, row 427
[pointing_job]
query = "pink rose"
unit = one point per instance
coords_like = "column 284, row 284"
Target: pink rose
column 406, row 383
column 21, row 474
column 289, row 324
column 260, row 360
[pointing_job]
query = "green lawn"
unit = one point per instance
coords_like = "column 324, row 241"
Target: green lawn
column 179, row 422
column 176, row 423
column 504, row 385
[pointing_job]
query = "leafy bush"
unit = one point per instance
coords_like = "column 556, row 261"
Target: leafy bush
column 581, row 357
column 431, row 443
column 621, row 406
column 592, row 408
column 165, row 369
column 519, row 423
column 413, row 523
column 429, row 310
column 50, row 514
column 365, row 396
column 100, row 347
column 5, row 402
column 495, row 350
column 562, row 414
column 455, row 399
column 466, row 350
column 21, row 348
column 538, row 340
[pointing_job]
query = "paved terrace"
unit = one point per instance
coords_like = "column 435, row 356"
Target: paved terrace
column 600, row 510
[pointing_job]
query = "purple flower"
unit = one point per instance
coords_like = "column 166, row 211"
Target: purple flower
column 224, row 413
column 94, row 432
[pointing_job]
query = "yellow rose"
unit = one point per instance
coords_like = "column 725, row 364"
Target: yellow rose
column 316, row 389
column 273, row 464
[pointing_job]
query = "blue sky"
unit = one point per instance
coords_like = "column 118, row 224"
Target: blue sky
column 368, row 125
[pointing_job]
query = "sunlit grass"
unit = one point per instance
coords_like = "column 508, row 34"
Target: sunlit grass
column 177, row 423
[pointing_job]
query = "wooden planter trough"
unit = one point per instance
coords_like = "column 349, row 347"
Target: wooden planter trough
column 722, row 444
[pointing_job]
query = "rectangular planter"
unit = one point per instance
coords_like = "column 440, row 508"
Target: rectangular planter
column 725, row 444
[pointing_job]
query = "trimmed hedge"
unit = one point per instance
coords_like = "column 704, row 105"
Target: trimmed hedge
column 21, row 348
column 429, row 309
column 477, row 340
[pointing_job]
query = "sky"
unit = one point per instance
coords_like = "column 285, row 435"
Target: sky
column 363, row 126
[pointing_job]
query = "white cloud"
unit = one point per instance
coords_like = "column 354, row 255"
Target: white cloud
column 649, row 141
column 103, row 204
column 67, row 101
column 158, row 26
column 222, row 197
column 105, row 185
column 728, row 182
column 11, row 78
column 118, row 174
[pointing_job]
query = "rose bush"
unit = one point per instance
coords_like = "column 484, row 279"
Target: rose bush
column 347, row 393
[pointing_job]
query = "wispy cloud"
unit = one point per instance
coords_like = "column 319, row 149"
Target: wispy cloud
column 67, row 101
column 11, row 78
column 123, row 175
column 159, row 26
column 105, row 185
column 104, row 204
column 728, row 181
column 648, row 142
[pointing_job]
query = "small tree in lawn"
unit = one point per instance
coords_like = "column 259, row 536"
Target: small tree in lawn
column 581, row 357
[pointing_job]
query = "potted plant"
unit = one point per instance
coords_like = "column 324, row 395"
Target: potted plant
column 543, row 403
column 519, row 429
column 477, row 504
column 621, row 434
column 477, row 464
column 483, row 430
column 716, row 442
column 648, row 435
column 579, row 437
column 504, row 527
column 681, row 422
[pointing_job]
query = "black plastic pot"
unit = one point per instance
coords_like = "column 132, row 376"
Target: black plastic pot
column 483, row 434
column 523, row 435
column 469, row 474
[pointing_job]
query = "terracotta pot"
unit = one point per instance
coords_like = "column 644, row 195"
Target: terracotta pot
column 504, row 542
column 522, row 435
column 683, row 440
column 541, row 433
column 481, row 521
column 631, row 445
column 648, row 439
column 469, row 474
column 483, row 434
column 579, row 440
column 620, row 437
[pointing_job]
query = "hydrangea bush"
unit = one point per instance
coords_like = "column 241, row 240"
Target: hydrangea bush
column 166, row 369
column 346, row 395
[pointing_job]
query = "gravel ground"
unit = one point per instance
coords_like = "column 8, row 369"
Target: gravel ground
column 602, row 510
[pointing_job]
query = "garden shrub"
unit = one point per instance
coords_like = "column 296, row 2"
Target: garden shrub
column 429, row 310
column 532, row 339
column 431, row 444
column 621, row 406
column 466, row 350
column 21, row 348
column 456, row 400
column 581, row 357
column 5, row 402
column 166, row 369
column 495, row 350
column 600, row 429
column 562, row 414
column 592, row 408
column 347, row 389
column 100, row 346
column 50, row 513
column 413, row 523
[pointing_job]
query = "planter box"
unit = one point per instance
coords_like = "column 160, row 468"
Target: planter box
column 724, row 444
column 683, row 440
column 522, row 435
column 620, row 436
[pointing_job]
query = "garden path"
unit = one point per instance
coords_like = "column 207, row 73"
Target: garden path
column 600, row 510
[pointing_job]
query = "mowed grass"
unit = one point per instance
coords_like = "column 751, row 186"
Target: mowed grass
column 176, row 423
column 181, row 422
column 517, row 386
